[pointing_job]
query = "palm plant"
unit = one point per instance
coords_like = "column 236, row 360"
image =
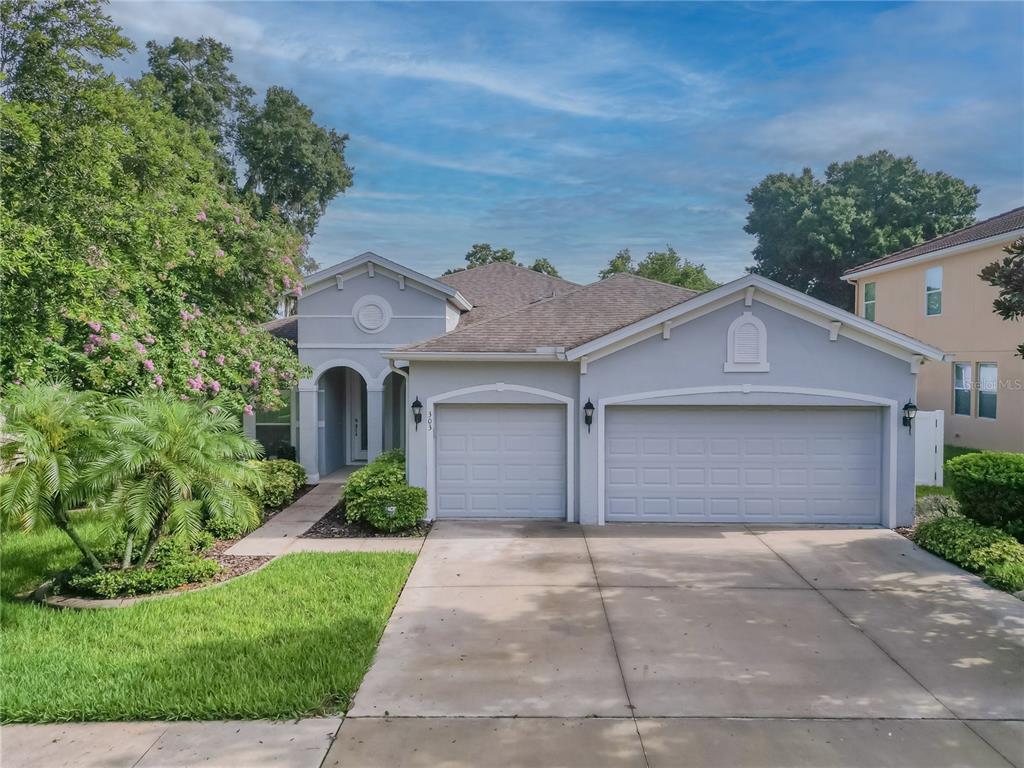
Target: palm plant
column 47, row 440
column 173, row 464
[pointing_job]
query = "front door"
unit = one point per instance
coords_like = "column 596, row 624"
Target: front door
column 355, row 386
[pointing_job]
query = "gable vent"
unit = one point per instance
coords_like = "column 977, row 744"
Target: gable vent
column 371, row 314
column 747, row 345
column 371, row 317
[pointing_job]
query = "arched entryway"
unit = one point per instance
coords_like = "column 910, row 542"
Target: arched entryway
column 394, row 412
column 342, row 435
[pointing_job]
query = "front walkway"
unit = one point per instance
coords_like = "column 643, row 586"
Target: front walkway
column 283, row 533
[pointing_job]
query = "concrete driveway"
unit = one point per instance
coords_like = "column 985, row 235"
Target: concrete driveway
column 544, row 644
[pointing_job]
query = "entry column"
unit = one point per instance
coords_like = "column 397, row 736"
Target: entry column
column 374, row 420
column 308, row 432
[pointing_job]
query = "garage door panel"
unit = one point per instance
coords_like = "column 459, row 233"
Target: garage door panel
column 500, row 461
column 794, row 465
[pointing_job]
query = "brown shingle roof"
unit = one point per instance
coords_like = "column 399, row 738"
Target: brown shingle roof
column 566, row 320
column 284, row 328
column 495, row 289
column 997, row 225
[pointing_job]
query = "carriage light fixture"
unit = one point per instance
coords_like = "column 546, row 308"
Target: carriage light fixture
column 417, row 412
column 588, row 414
column 909, row 412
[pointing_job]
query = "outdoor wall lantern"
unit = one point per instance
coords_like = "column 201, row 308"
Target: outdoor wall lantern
column 588, row 414
column 909, row 412
column 417, row 412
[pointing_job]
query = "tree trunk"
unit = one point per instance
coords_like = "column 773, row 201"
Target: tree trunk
column 126, row 561
column 154, row 536
column 64, row 524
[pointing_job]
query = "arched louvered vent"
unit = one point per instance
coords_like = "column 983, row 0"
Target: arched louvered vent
column 747, row 345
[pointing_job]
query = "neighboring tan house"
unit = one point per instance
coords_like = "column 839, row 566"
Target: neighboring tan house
column 515, row 394
column 932, row 292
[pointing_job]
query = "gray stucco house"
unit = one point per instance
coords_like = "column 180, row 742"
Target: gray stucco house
column 622, row 400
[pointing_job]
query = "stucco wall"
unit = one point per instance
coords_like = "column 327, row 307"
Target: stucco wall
column 969, row 330
column 800, row 355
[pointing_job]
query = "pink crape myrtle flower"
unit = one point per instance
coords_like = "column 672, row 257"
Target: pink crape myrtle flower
column 95, row 326
column 214, row 386
column 201, row 216
column 195, row 384
column 254, row 383
column 254, row 366
column 88, row 348
column 186, row 347
column 202, row 353
column 219, row 359
column 195, row 363
column 94, row 339
column 149, row 339
column 115, row 337
column 139, row 347
column 248, row 410
column 158, row 381
column 148, row 365
column 219, row 254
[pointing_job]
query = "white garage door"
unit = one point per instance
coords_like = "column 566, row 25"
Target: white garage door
column 772, row 465
column 500, row 461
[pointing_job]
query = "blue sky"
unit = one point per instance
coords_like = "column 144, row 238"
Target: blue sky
column 569, row 131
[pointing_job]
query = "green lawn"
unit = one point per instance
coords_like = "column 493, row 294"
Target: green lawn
column 948, row 452
column 293, row 639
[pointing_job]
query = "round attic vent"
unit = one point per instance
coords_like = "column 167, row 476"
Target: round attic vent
column 372, row 314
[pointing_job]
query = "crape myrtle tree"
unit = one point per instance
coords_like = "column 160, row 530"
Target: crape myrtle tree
column 810, row 231
column 131, row 258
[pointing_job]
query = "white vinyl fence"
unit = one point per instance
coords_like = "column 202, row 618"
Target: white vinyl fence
column 928, row 441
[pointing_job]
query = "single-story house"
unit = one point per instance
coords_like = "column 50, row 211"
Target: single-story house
column 517, row 394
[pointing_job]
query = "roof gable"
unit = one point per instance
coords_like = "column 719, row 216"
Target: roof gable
column 836, row 321
column 370, row 260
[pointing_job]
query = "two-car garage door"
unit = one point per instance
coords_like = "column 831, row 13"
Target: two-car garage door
column 771, row 465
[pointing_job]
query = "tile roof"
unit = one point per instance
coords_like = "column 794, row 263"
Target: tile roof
column 284, row 328
column 495, row 289
column 565, row 320
column 997, row 225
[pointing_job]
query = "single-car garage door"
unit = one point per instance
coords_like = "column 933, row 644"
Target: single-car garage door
column 772, row 465
column 500, row 461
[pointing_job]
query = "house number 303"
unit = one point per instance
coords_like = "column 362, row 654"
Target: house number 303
column 430, row 421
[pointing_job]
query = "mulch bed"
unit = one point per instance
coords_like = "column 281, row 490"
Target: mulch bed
column 333, row 525
column 230, row 565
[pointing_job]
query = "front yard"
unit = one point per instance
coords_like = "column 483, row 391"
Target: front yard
column 291, row 640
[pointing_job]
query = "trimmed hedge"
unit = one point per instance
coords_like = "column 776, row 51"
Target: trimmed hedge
column 383, row 472
column 989, row 486
column 395, row 508
column 378, row 495
column 991, row 553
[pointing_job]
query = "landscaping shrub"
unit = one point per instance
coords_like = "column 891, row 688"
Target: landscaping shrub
column 937, row 505
column 989, row 486
column 383, row 472
column 991, row 553
column 390, row 509
column 174, row 563
column 281, row 478
column 1016, row 529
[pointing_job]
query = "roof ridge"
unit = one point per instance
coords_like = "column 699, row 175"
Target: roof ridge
column 544, row 275
column 648, row 280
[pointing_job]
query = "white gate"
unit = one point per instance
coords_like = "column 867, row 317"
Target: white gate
column 928, row 440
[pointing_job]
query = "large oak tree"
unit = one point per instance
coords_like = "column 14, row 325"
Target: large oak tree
column 810, row 231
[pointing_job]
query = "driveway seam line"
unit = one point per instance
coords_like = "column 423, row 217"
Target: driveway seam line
column 990, row 744
column 859, row 628
column 142, row 757
column 615, row 650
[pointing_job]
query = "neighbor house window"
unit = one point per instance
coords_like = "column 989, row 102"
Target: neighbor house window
column 988, row 385
column 962, row 389
column 933, row 291
column 869, row 301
